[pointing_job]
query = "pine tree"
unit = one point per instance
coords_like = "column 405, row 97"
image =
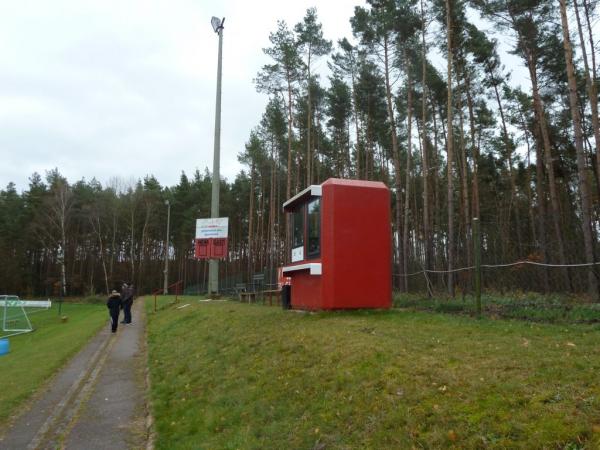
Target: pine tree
column 312, row 45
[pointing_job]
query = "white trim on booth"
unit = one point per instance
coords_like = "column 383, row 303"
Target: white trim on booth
column 314, row 190
column 315, row 268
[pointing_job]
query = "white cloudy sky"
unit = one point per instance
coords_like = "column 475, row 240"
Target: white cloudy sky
column 101, row 88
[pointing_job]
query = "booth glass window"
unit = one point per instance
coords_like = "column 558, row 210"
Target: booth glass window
column 314, row 228
column 298, row 228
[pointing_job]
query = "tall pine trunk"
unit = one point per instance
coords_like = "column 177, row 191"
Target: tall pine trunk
column 425, row 157
column 288, row 189
column 450, row 156
column 584, row 190
column 511, row 174
column 587, row 7
column 464, row 179
column 541, row 120
column 592, row 93
column 405, row 246
column 475, row 148
column 308, row 130
column 251, row 223
column 400, row 250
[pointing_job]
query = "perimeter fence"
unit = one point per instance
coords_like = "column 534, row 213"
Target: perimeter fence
column 522, row 275
column 525, row 289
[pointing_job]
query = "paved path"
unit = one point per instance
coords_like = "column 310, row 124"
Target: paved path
column 96, row 402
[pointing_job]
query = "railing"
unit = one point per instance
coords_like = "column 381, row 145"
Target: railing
column 178, row 288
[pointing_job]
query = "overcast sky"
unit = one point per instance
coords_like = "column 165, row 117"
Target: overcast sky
column 127, row 88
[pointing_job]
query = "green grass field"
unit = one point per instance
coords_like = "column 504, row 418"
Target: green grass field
column 35, row 357
column 230, row 375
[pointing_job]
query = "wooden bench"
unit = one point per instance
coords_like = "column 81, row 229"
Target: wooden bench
column 270, row 294
column 258, row 281
column 250, row 297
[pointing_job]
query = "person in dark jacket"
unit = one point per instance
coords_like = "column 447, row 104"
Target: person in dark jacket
column 114, row 305
column 127, row 299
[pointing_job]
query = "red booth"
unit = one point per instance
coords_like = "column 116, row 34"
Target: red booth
column 341, row 246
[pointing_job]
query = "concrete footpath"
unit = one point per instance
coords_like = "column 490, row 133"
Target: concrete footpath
column 98, row 401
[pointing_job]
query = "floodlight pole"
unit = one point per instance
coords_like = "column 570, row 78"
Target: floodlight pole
column 166, row 284
column 61, row 259
column 213, row 265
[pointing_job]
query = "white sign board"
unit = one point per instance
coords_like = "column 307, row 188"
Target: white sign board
column 297, row 254
column 212, row 228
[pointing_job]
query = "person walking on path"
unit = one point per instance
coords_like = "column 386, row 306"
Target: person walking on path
column 127, row 299
column 114, row 305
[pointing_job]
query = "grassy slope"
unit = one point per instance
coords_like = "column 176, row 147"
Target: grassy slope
column 227, row 375
column 35, row 357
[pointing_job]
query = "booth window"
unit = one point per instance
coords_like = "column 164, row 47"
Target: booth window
column 314, row 228
column 298, row 228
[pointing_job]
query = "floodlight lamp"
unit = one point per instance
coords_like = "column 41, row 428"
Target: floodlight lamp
column 217, row 23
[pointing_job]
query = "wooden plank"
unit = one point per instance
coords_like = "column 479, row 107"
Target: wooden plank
column 273, row 292
column 248, row 295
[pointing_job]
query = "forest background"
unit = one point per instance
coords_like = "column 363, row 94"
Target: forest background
column 454, row 142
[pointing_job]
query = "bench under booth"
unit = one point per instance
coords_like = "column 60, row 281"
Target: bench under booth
column 341, row 246
column 257, row 291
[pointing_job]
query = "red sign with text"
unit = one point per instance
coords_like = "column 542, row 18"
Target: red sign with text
column 210, row 248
